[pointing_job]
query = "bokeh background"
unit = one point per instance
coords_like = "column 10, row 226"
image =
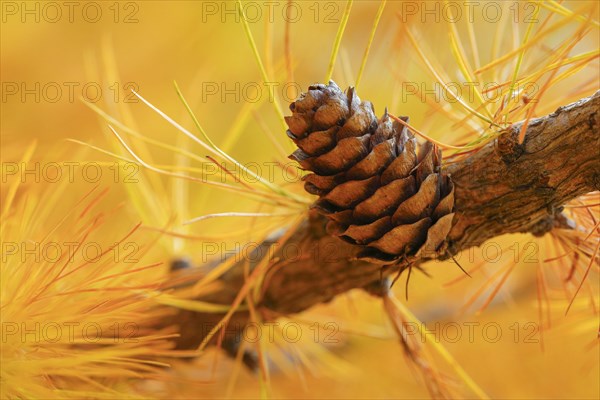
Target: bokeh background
column 55, row 59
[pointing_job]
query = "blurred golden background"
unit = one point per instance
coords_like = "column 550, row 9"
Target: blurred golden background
column 56, row 57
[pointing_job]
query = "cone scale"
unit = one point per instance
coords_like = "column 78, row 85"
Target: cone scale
column 378, row 187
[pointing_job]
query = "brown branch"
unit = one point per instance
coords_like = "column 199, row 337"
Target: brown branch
column 504, row 187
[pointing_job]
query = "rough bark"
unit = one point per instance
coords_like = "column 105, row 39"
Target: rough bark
column 509, row 187
column 504, row 187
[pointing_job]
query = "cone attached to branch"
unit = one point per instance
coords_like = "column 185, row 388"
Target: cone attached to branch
column 377, row 186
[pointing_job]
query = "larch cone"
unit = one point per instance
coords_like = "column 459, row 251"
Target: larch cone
column 378, row 188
